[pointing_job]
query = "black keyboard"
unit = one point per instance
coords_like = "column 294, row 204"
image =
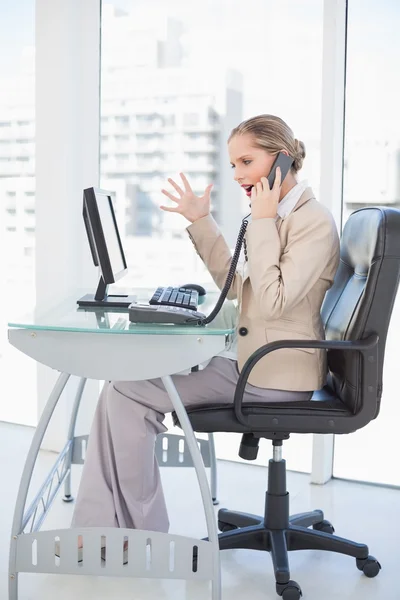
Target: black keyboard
column 170, row 296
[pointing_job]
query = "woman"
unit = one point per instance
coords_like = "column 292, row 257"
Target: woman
column 292, row 251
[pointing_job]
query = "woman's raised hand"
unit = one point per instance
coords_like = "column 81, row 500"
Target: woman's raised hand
column 187, row 204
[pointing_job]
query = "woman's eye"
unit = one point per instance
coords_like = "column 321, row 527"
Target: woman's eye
column 245, row 162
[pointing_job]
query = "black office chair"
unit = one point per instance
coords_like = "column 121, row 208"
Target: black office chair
column 356, row 313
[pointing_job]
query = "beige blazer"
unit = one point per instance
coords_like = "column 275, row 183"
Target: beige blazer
column 291, row 264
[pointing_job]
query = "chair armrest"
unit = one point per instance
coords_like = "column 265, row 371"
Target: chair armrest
column 368, row 348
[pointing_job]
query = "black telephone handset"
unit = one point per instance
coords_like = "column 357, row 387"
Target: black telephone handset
column 284, row 162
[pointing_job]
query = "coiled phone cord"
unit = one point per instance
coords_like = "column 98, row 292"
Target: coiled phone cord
column 230, row 276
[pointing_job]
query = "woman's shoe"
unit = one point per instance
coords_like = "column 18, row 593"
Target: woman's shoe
column 103, row 553
column 57, row 552
column 125, row 560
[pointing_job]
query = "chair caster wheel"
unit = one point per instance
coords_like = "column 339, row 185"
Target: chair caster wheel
column 369, row 566
column 324, row 526
column 226, row 526
column 68, row 498
column 289, row 591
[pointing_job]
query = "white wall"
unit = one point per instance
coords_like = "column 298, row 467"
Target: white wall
column 67, row 160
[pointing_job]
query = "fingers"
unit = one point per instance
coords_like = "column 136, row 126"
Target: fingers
column 185, row 183
column 259, row 187
column 170, row 196
column 278, row 177
column 176, row 186
column 265, row 183
column 253, row 193
column 208, row 190
column 169, row 209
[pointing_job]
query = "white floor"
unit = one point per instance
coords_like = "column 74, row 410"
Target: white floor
column 363, row 513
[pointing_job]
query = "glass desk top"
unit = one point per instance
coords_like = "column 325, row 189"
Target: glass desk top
column 69, row 317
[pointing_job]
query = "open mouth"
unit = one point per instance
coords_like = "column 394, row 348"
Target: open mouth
column 247, row 189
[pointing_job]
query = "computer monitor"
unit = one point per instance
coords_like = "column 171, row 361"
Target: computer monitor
column 106, row 248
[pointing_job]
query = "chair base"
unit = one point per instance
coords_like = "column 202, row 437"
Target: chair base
column 278, row 533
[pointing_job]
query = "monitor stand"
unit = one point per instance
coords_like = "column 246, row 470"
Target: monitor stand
column 104, row 300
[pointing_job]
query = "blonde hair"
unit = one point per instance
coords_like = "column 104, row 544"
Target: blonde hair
column 273, row 135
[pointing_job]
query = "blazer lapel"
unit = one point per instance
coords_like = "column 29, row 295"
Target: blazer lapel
column 279, row 222
column 305, row 197
column 246, row 270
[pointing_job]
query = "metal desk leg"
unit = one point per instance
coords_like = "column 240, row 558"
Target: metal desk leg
column 202, row 479
column 71, row 435
column 213, row 472
column 18, row 521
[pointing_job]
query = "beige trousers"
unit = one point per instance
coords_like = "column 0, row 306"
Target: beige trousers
column 120, row 485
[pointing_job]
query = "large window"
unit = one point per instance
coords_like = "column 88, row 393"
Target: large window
column 177, row 76
column 372, row 177
column 17, row 201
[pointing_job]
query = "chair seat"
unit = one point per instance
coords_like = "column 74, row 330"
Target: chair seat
column 209, row 418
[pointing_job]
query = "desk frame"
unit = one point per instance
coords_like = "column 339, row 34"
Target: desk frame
column 111, row 356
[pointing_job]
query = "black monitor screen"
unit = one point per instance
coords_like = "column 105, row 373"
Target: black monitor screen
column 106, row 248
column 110, row 233
column 103, row 235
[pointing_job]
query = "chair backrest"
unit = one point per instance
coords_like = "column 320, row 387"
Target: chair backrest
column 361, row 299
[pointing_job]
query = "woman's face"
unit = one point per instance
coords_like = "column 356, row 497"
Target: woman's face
column 249, row 163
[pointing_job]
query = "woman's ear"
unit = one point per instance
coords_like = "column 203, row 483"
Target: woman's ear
column 285, row 152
